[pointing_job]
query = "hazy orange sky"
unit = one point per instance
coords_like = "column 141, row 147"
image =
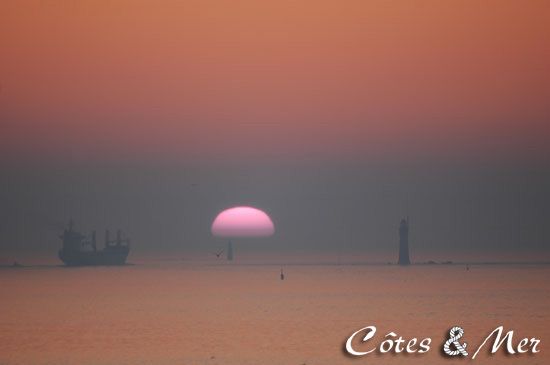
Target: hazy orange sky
column 181, row 81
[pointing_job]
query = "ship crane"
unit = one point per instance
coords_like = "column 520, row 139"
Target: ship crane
column 118, row 241
column 92, row 242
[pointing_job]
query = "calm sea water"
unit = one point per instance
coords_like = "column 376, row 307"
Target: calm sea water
column 206, row 311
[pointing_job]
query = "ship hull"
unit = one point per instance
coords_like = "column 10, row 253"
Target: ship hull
column 107, row 257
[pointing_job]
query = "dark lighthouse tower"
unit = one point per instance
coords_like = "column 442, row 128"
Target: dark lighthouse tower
column 229, row 251
column 404, row 243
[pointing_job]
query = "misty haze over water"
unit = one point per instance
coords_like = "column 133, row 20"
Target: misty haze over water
column 332, row 208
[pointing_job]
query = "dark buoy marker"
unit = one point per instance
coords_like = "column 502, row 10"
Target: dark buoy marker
column 282, row 275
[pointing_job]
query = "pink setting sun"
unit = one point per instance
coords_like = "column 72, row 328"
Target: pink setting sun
column 242, row 222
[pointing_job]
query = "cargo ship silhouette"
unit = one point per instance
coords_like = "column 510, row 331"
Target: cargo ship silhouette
column 73, row 254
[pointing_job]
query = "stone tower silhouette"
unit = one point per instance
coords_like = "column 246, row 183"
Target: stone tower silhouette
column 229, row 251
column 404, row 243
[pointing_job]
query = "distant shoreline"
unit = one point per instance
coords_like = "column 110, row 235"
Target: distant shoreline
column 226, row 264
